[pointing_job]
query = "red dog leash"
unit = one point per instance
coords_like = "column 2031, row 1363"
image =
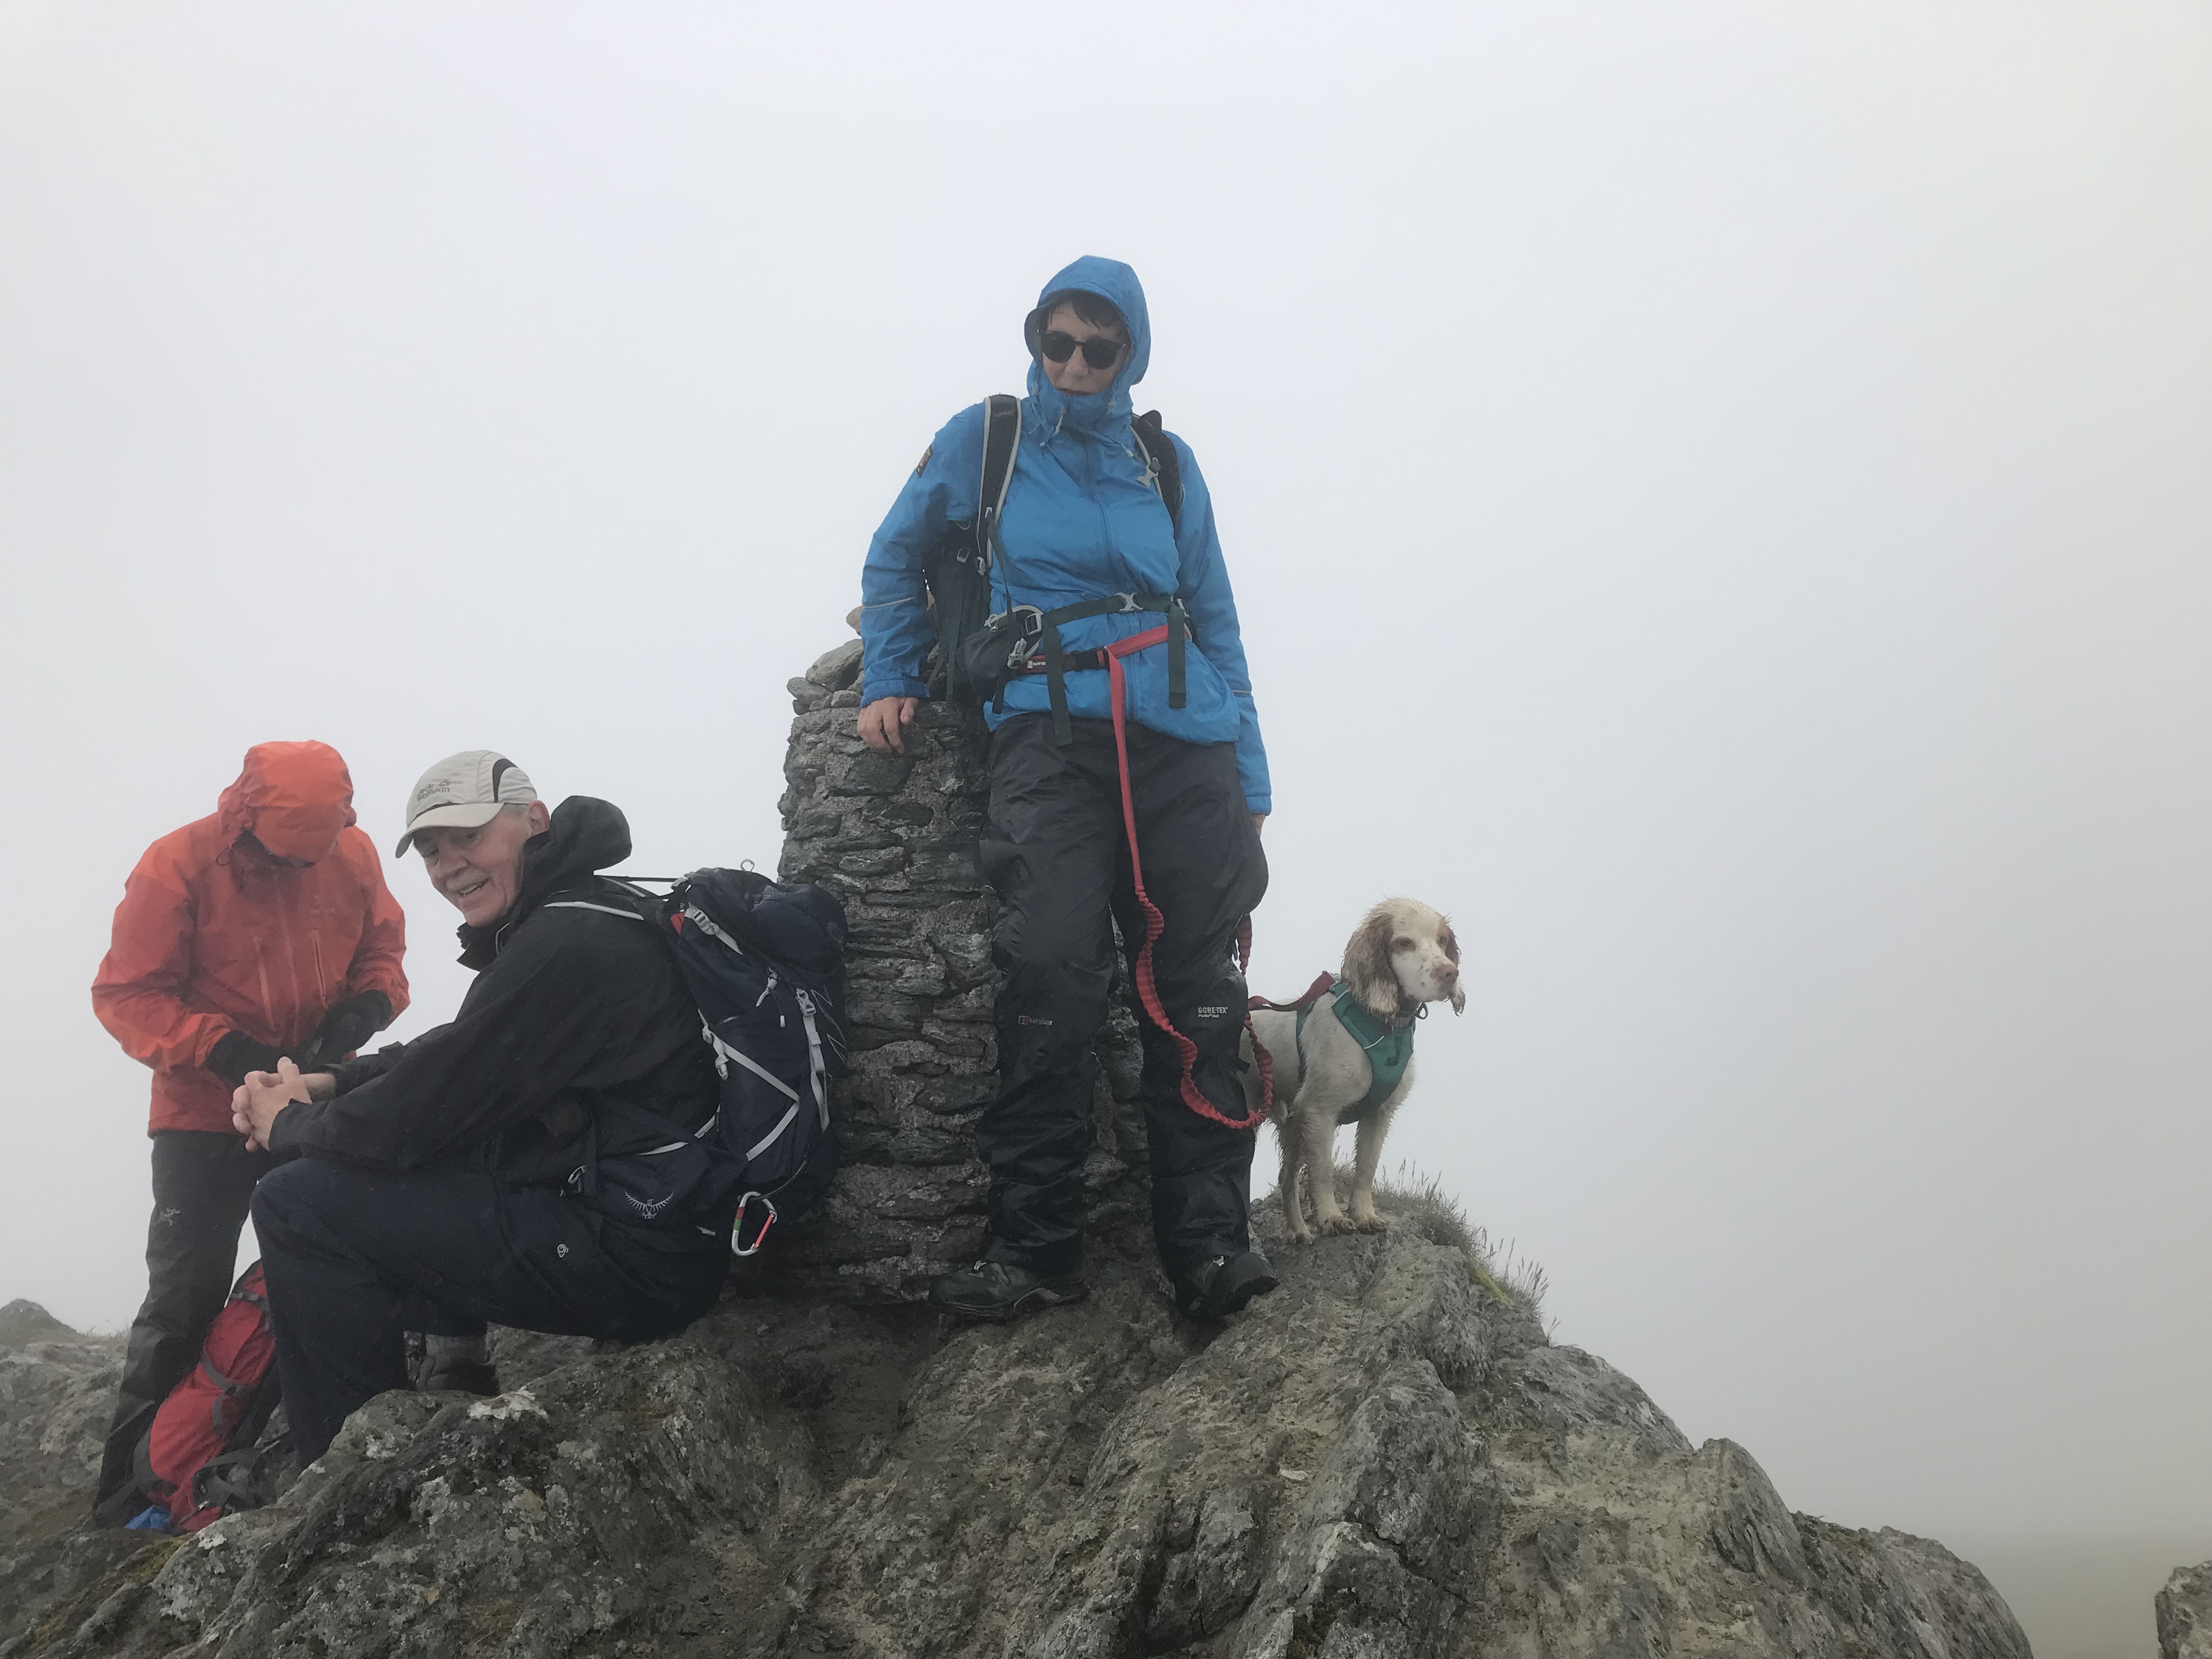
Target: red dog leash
column 1148, row 992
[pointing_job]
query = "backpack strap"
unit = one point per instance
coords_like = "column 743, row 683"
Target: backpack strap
column 1002, row 440
column 1161, row 461
column 230, row 1480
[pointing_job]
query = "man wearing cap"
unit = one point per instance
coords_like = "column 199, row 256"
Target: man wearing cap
column 262, row 931
column 443, row 1182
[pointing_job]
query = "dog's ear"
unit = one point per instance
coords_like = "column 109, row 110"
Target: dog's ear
column 1449, row 941
column 1458, row 997
column 1367, row 960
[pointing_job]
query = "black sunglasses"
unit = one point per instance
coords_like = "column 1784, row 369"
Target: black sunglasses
column 1097, row 351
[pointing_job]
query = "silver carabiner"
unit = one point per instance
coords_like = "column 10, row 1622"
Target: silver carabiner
column 738, row 1247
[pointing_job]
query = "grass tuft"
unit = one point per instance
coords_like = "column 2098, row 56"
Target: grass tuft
column 145, row 1566
column 1414, row 1198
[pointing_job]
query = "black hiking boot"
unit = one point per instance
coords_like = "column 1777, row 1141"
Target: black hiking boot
column 458, row 1376
column 442, row 1365
column 1222, row 1285
column 999, row 1290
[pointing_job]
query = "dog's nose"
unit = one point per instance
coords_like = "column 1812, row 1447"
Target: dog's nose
column 1447, row 972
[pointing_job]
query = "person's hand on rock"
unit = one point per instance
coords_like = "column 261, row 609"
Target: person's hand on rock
column 883, row 723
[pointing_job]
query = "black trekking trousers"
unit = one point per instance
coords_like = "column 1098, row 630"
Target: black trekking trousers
column 1055, row 852
column 203, row 1183
column 357, row 1257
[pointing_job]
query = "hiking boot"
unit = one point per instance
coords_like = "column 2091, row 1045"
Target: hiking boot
column 458, row 1376
column 999, row 1290
column 1221, row 1285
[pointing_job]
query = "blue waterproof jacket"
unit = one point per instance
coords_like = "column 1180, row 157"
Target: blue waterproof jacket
column 1082, row 521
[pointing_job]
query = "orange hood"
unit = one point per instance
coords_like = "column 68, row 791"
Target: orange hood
column 294, row 797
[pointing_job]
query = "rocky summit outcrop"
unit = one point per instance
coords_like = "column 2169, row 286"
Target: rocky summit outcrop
column 1385, row 1459
column 57, row 1390
column 2184, row 1614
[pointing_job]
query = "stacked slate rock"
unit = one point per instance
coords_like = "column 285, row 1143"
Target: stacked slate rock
column 895, row 837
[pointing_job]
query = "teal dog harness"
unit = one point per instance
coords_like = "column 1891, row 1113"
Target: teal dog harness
column 1388, row 1048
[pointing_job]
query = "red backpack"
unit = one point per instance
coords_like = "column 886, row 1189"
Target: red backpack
column 197, row 1456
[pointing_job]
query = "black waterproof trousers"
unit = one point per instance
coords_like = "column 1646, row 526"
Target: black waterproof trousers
column 357, row 1257
column 203, row 1183
column 1056, row 851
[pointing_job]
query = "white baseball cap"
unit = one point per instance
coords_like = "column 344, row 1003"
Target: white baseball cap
column 464, row 792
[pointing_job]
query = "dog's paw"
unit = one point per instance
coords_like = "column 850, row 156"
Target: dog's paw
column 1300, row 1235
column 1335, row 1223
column 1370, row 1222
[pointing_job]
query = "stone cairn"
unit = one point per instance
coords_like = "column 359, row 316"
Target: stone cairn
column 896, row 838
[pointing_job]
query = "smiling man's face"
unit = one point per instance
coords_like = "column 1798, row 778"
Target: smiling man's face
column 479, row 872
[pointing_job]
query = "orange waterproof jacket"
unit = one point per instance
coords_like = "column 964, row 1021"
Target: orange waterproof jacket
column 214, row 935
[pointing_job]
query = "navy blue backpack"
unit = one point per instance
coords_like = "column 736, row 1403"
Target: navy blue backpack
column 765, row 963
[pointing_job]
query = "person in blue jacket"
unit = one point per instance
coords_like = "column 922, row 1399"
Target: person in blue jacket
column 1083, row 521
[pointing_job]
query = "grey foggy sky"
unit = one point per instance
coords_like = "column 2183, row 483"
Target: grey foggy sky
column 1718, row 498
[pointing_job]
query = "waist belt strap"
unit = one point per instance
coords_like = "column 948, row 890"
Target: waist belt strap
column 1073, row 661
column 1053, row 663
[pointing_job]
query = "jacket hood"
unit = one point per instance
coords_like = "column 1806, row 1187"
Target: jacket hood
column 584, row 836
column 1100, row 412
column 294, row 797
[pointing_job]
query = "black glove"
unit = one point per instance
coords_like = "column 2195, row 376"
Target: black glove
column 345, row 1028
column 235, row 1053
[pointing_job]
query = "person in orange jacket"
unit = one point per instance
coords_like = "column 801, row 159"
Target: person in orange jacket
column 261, row 933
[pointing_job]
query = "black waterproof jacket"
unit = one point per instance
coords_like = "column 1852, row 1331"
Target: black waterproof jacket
column 578, row 1030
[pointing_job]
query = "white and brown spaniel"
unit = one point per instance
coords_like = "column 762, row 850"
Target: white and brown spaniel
column 1402, row 955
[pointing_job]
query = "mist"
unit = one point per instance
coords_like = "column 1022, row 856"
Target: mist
column 1717, row 496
